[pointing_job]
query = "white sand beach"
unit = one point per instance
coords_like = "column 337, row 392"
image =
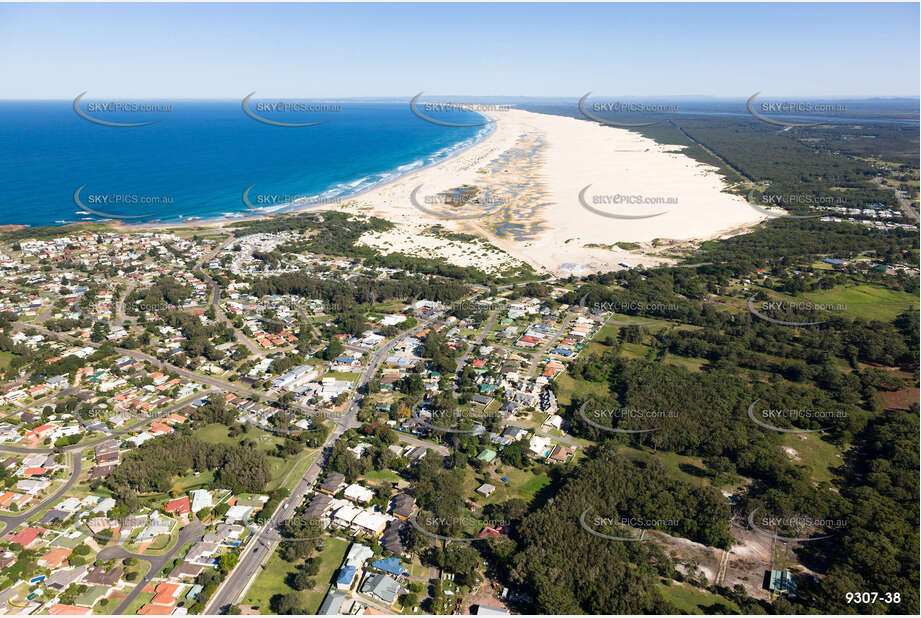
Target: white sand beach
column 529, row 174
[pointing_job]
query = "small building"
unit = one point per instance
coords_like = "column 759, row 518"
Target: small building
column 489, row 610
column 486, row 489
column 358, row 493
column 390, row 565
column 393, row 538
column 345, row 578
column 382, row 587
column 487, row 455
column 403, row 505
column 782, row 582
column 332, row 604
column 333, row 483
column 560, row 454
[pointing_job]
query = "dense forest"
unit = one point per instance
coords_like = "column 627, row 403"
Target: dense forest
column 153, row 467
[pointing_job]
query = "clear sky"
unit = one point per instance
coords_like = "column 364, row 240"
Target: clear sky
column 347, row 50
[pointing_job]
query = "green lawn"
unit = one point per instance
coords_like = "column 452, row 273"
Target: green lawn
column 279, row 468
column 570, row 388
column 680, row 467
column 819, row 456
column 5, row 358
column 333, row 554
column 351, row 376
column 522, row 484
column 382, row 476
column 142, row 599
column 289, row 471
column 691, row 364
column 271, row 580
column 690, row 600
column 871, row 302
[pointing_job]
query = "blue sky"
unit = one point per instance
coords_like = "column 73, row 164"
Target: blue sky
column 286, row 50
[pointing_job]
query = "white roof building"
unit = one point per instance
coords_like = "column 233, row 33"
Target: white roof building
column 539, row 445
column 201, row 499
column 344, row 515
column 357, row 493
column 357, row 555
column 371, row 523
column 238, row 513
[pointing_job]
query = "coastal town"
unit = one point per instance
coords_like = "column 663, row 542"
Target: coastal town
column 239, row 419
column 120, row 344
column 343, row 308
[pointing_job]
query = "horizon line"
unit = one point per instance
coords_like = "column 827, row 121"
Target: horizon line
column 492, row 96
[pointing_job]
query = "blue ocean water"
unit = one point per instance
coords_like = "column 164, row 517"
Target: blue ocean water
column 199, row 158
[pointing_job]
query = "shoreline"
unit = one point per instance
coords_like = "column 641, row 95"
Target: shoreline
column 532, row 171
column 335, row 205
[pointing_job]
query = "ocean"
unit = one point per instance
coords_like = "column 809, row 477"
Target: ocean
column 207, row 160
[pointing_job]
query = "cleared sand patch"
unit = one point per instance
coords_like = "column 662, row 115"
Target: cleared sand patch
column 417, row 241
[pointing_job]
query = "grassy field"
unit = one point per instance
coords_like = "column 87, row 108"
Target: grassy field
column 351, row 376
column 381, row 476
column 332, row 555
column 691, row 364
column 819, row 456
column 271, row 579
column 292, row 469
column 571, row 388
column 680, row 467
column 522, row 484
column 284, row 471
column 871, row 302
column 690, row 600
column 142, row 599
column 5, row 358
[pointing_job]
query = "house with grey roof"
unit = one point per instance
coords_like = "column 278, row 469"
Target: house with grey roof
column 332, row 604
column 382, row 587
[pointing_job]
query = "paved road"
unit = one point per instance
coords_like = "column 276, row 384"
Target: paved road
column 216, row 296
column 904, row 204
column 192, row 532
column 119, row 316
column 545, row 348
column 486, row 329
column 233, row 387
column 9, row 448
column 12, row 521
column 263, row 543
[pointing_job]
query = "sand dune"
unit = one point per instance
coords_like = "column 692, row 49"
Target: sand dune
column 529, row 175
